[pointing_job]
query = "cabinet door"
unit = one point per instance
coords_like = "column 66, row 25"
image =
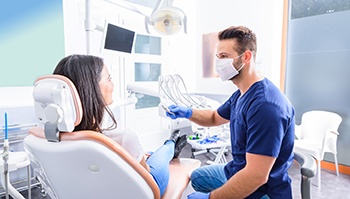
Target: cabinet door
column 148, row 66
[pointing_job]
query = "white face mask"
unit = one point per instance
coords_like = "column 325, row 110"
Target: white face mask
column 226, row 69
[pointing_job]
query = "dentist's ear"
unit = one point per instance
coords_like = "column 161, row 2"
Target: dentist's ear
column 247, row 56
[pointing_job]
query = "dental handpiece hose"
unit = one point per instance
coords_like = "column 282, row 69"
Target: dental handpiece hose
column 5, row 157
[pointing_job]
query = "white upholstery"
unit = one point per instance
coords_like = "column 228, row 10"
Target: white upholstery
column 88, row 164
column 316, row 135
column 90, row 169
column 57, row 105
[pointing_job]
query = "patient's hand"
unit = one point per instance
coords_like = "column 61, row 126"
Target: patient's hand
column 144, row 164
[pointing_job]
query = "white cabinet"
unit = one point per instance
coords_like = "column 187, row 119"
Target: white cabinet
column 148, row 64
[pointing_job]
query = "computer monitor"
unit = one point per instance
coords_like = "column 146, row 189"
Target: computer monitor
column 117, row 39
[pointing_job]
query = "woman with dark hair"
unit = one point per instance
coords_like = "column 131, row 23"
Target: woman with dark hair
column 93, row 83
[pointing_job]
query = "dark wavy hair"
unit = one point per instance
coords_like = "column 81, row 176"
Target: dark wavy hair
column 245, row 38
column 84, row 71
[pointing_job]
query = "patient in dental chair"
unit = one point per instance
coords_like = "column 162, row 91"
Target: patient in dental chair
column 93, row 83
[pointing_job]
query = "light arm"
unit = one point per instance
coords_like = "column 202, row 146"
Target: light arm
column 147, row 88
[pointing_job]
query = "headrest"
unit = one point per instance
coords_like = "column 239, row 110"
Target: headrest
column 57, row 105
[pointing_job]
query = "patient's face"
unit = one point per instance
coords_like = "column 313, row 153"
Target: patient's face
column 106, row 86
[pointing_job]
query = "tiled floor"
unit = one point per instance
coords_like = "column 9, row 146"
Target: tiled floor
column 333, row 187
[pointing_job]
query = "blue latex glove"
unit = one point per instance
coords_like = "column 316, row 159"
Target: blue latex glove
column 179, row 112
column 198, row 195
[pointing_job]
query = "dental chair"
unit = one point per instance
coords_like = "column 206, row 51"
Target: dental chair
column 88, row 164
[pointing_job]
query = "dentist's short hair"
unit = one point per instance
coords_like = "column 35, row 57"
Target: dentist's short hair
column 245, row 38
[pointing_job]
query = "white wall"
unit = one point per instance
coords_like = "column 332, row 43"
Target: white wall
column 264, row 17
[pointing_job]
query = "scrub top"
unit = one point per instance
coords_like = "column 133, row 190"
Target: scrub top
column 262, row 122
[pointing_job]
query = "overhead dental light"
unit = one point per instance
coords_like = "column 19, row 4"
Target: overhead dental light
column 165, row 19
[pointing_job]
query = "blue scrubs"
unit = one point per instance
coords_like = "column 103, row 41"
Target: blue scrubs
column 262, row 122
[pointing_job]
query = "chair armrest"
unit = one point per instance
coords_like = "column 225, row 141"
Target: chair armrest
column 330, row 141
column 307, row 170
column 297, row 132
column 333, row 131
column 307, row 164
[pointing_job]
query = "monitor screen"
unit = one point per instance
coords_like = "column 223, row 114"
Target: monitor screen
column 118, row 39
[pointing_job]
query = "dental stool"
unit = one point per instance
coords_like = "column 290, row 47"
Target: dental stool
column 88, row 164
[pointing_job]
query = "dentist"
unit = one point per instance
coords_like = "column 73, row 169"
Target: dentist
column 261, row 125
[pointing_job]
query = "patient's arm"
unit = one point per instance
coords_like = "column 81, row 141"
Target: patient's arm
column 144, row 164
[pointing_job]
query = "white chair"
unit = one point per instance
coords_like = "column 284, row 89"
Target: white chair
column 88, row 164
column 316, row 135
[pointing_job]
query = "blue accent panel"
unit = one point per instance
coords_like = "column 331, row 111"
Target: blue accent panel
column 31, row 39
column 16, row 13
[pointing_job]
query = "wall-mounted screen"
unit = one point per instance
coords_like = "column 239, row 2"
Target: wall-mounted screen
column 117, row 38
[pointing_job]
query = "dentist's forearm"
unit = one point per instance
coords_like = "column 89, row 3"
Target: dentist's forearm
column 207, row 118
